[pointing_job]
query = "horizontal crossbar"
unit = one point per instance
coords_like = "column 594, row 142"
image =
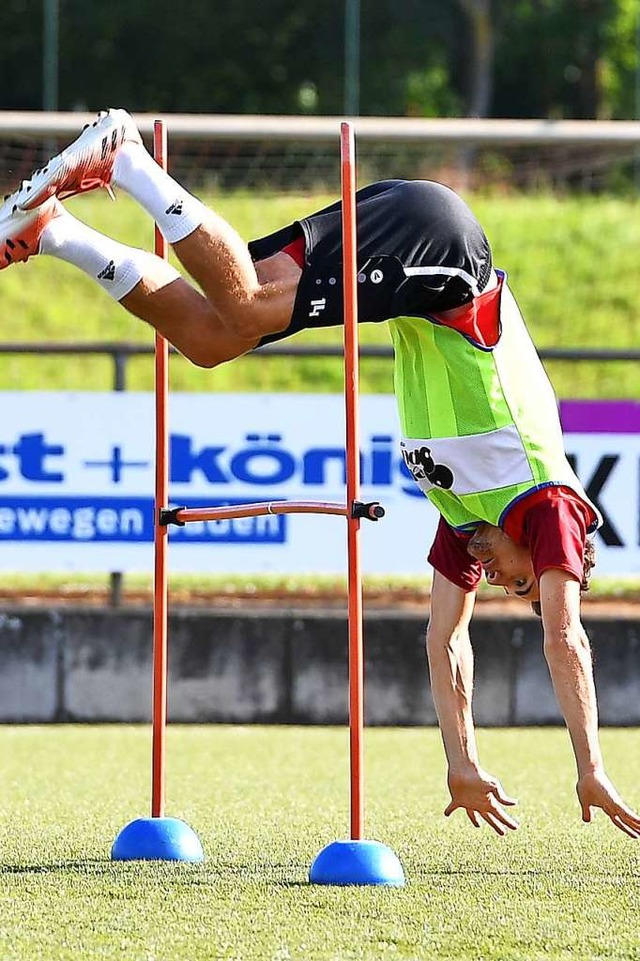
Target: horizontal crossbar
column 186, row 515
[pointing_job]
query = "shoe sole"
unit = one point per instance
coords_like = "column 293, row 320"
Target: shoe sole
column 14, row 248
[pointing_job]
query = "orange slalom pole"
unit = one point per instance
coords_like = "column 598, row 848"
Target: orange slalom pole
column 160, row 585
column 351, row 386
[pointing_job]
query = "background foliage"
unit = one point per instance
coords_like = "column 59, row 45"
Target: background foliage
column 522, row 58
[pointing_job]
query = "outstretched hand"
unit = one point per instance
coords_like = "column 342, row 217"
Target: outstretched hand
column 596, row 791
column 482, row 797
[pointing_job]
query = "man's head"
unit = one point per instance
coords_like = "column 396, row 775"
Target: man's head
column 508, row 564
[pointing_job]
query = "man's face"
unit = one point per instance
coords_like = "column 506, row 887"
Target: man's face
column 506, row 564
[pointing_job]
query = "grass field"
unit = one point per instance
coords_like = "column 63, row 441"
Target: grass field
column 264, row 802
column 572, row 263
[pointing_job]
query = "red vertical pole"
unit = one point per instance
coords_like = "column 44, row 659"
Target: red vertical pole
column 351, row 383
column 160, row 586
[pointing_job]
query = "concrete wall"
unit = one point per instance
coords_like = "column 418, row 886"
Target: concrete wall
column 85, row 665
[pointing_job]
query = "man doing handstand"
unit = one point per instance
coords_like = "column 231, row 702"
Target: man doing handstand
column 481, row 433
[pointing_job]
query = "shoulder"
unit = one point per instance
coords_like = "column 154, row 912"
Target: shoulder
column 554, row 504
column 553, row 523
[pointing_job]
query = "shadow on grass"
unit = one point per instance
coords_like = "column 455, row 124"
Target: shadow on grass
column 85, row 867
column 195, row 874
column 95, row 867
column 425, row 873
column 285, row 876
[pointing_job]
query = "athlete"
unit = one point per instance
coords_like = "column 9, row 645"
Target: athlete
column 481, row 431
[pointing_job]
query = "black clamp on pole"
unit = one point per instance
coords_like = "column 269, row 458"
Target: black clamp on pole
column 371, row 512
column 167, row 515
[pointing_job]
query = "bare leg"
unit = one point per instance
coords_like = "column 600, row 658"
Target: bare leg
column 181, row 314
column 239, row 304
column 244, row 302
column 250, row 299
column 151, row 288
column 245, row 305
column 190, row 322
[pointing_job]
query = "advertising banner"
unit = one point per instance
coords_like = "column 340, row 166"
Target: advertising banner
column 77, row 482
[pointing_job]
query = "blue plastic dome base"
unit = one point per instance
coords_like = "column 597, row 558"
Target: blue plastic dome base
column 357, row 862
column 157, row 839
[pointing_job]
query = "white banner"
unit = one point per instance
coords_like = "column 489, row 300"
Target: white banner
column 77, row 482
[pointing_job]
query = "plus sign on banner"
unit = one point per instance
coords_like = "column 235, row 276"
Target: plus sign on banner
column 77, row 482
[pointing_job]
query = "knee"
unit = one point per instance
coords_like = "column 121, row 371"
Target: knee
column 267, row 310
column 249, row 321
column 206, row 357
column 243, row 322
column 204, row 361
column 210, row 355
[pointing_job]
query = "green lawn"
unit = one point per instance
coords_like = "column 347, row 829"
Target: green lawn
column 264, row 802
column 572, row 262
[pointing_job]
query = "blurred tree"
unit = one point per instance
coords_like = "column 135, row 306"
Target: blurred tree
column 483, row 43
column 21, row 55
column 198, row 56
column 407, row 58
column 620, row 77
column 429, row 93
column 244, row 57
column 521, row 58
column 551, row 57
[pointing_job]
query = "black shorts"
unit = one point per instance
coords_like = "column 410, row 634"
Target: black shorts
column 420, row 251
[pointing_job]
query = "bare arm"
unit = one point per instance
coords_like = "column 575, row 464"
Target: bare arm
column 568, row 655
column 451, row 669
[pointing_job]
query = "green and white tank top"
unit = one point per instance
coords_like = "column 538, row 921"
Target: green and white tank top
column 481, row 426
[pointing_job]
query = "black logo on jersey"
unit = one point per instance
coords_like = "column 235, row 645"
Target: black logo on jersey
column 423, row 467
column 174, row 208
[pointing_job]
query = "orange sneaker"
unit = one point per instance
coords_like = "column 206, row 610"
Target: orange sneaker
column 85, row 164
column 21, row 230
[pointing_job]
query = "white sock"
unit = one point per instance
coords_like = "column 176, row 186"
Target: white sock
column 116, row 268
column 176, row 212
